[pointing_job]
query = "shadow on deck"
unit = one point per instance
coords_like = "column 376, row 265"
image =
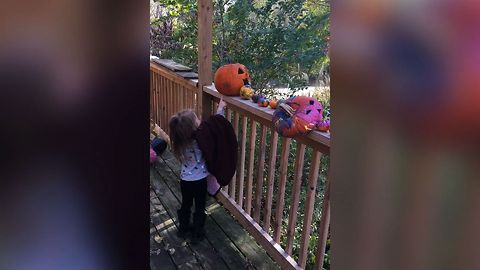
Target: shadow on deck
column 227, row 244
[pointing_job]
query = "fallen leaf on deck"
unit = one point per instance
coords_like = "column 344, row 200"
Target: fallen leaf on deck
column 158, row 239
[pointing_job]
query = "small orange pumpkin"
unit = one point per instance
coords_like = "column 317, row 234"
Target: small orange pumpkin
column 230, row 78
column 273, row 104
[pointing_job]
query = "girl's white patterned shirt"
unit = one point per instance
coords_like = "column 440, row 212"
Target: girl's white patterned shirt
column 193, row 164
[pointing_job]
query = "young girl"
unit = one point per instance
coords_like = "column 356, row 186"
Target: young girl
column 194, row 171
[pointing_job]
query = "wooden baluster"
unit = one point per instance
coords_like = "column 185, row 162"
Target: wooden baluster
column 151, row 96
column 171, row 103
column 190, row 99
column 214, row 107
column 323, row 230
column 161, row 101
column 184, row 97
column 164, row 103
column 271, row 180
column 155, row 92
column 173, row 106
column 227, row 116
column 253, row 135
column 173, row 100
column 154, row 106
column 297, row 183
column 281, row 192
column 178, row 94
column 241, row 172
column 168, row 101
column 233, row 183
column 152, row 114
column 180, row 97
column 175, row 96
column 158, row 102
column 309, row 204
column 259, row 187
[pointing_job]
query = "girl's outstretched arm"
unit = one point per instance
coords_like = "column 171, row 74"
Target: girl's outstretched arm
column 221, row 107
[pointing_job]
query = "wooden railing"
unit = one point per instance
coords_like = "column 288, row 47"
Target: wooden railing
column 169, row 93
column 257, row 194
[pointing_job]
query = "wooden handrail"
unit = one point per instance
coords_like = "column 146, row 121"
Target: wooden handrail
column 315, row 139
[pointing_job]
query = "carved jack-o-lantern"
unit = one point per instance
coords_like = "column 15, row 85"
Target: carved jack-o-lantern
column 230, row 78
column 299, row 115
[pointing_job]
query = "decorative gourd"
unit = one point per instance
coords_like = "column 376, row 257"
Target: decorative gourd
column 256, row 97
column 273, row 104
column 246, row 92
column 230, row 78
column 263, row 102
column 299, row 115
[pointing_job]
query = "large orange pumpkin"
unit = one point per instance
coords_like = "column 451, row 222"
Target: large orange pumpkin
column 230, row 78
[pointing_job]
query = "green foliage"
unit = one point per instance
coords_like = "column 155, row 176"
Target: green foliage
column 323, row 96
column 181, row 45
column 282, row 42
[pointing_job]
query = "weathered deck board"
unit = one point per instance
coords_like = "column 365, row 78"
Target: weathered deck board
column 203, row 251
column 159, row 258
column 227, row 244
column 227, row 250
column 255, row 254
column 178, row 251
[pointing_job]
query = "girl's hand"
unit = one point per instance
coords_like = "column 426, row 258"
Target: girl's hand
column 221, row 106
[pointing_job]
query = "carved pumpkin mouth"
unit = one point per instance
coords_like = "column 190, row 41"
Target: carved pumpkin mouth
column 245, row 82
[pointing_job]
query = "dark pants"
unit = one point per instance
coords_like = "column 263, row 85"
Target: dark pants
column 193, row 190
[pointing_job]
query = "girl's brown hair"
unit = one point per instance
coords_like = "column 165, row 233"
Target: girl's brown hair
column 182, row 126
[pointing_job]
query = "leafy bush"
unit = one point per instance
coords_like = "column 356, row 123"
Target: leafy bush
column 284, row 43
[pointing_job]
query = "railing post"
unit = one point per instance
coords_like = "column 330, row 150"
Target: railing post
column 204, row 41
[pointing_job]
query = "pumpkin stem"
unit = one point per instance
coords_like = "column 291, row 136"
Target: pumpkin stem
column 289, row 110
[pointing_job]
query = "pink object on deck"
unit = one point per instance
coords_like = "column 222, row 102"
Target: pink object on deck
column 213, row 187
column 153, row 156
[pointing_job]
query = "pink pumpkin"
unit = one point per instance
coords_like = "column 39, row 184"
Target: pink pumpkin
column 307, row 109
column 299, row 116
column 153, row 156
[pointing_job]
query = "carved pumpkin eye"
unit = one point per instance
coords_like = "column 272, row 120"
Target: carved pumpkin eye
column 308, row 111
column 240, row 71
column 319, row 110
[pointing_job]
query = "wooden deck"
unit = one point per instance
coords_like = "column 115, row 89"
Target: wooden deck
column 227, row 244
